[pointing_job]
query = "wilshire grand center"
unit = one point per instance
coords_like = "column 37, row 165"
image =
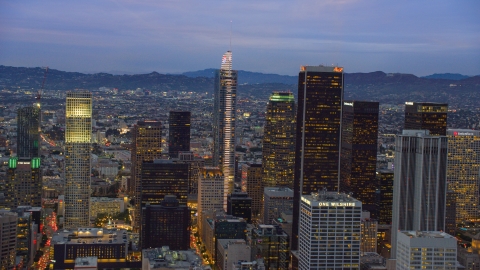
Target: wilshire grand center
column 78, row 134
column 225, row 103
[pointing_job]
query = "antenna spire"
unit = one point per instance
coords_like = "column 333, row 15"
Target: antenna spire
column 230, row 35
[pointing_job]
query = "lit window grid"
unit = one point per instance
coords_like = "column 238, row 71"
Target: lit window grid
column 316, row 235
column 463, row 177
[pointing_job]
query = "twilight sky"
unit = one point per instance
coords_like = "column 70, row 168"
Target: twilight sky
column 271, row 36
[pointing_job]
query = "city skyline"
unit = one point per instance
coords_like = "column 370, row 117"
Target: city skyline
column 140, row 37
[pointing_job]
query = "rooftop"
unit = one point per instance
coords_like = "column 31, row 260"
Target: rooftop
column 427, row 234
column 166, row 258
column 90, row 236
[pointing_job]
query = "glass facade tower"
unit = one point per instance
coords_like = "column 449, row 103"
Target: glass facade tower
column 278, row 151
column 427, row 115
column 78, row 133
column 28, row 131
column 178, row 133
column 317, row 150
column 463, row 172
column 225, row 102
column 358, row 159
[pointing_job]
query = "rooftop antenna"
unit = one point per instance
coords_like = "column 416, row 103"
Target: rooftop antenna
column 230, row 35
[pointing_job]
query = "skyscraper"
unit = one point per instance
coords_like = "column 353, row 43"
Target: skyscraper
column 178, row 133
column 147, row 146
column 164, row 177
column 329, row 236
column 426, row 115
column 78, row 133
column 24, row 185
column 240, row 205
column 166, row 224
column 252, row 184
column 28, row 131
column 384, row 199
column 278, row 150
column 317, row 150
column 463, row 172
column 224, row 107
column 420, row 183
column 24, row 174
column 358, row 159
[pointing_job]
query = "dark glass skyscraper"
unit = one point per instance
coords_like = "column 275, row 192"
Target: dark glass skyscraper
column 224, row 108
column 164, row 177
column 178, row 133
column 24, row 185
column 240, row 205
column 384, row 196
column 358, row 158
column 28, row 131
column 166, row 224
column 278, row 151
column 317, row 153
column 427, row 115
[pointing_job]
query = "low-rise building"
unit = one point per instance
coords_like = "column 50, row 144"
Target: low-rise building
column 164, row 258
column 230, row 251
column 424, row 249
column 109, row 246
column 104, row 205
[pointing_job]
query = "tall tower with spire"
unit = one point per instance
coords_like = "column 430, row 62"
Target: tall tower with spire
column 225, row 103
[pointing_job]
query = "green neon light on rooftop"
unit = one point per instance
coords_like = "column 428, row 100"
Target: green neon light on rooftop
column 12, row 162
column 286, row 97
column 35, row 163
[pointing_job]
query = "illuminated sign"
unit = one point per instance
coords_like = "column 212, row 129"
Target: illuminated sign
column 23, row 163
column 303, row 68
column 456, row 133
column 408, row 103
column 336, row 204
column 348, row 103
column 337, row 69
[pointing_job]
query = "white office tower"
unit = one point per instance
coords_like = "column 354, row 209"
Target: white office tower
column 463, row 171
column 78, row 133
column 329, row 231
column 224, row 106
column 210, row 192
column 419, row 186
column 426, row 250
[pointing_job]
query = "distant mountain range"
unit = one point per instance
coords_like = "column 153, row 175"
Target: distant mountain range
column 447, row 76
column 247, row 76
column 379, row 86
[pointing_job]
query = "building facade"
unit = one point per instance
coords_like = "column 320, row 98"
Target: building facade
column 271, row 244
column 240, row 205
column 278, row 150
column 25, row 182
column 178, row 132
column 147, row 146
column 164, row 177
column 358, row 158
column 166, row 224
column 8, row 239
column 429, row 116
column 224, row 111
column 420, row 183
column 319, row 115
column 28, row 131
column 252, row 184
column 276, row 201
column 426, row 250
column 329, row 236
column 463, row 172
column 78, row 133
column 384, row 196
column 210, row 192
